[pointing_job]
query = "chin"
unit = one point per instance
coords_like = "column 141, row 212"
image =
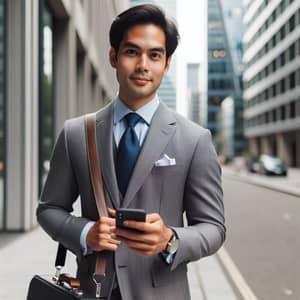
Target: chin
column 139, row 93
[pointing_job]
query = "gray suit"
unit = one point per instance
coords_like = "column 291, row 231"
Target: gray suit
column 192, row 186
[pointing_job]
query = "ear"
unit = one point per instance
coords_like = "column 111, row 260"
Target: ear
column 168, row 64
column 113, row 57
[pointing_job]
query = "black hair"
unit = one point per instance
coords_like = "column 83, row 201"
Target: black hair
column 144, row 14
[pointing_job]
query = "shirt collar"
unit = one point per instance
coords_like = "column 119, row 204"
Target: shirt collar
column 146, row 112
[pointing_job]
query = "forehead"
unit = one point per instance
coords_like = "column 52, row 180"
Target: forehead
column 145, row 36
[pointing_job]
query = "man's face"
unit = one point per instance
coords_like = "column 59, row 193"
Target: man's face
column 140, row 63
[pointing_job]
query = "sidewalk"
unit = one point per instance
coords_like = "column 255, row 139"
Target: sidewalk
column 289, row 184
column 23, row 255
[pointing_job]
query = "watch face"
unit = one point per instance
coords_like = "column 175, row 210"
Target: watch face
column 173, row 246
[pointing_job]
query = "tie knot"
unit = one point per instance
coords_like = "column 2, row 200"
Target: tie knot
column 132, row 119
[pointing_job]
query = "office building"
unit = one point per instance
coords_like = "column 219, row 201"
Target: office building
column 193, row 92
column 272, row 78
column 230, row 133
column 220, row 69
column 53, row 66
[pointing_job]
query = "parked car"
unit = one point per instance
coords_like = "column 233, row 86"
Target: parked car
column 252, row 164
column 271, row 165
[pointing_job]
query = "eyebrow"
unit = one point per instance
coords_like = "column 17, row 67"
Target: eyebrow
column 132, row 45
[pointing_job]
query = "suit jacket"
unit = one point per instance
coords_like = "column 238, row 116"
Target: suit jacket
column 191, row 187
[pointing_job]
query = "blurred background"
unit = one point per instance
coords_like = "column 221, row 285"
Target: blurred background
column 235, row 72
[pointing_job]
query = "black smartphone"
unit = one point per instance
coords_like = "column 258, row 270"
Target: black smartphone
column 124, row 214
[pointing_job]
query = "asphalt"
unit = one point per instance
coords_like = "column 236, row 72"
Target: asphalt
column 216, row 277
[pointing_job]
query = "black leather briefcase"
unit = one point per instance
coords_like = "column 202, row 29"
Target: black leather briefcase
column 42, row 288
column 62, row 286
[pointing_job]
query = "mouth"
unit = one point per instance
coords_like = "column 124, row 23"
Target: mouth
column 140, row 80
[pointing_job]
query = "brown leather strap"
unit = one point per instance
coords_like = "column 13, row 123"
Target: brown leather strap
column 96, row 179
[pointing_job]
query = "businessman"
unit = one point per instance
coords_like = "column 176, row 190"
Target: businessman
column 151, row 158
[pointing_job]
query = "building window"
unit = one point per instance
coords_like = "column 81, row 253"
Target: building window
column 273, row 16
column 293, row 109
column 292, row 52
column 292, row 79
column 274, row 65
column 2, row 112
column 274, row 90
column 274, row 118
column 282, row 86
column 274, row 41
column 282, row 33
column 292, row 23
column 46, row 103
column 282, row 113
column 282, row 6
column 282, row 59
column 266, row 94
column 266, row 118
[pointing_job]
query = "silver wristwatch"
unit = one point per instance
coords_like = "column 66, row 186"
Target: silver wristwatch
column 172, row 245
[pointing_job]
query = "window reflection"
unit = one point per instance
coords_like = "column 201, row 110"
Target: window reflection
column 46, row 121
column 2, row 110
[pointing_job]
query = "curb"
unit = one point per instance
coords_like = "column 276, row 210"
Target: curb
column 235, row 275
column 263, row 184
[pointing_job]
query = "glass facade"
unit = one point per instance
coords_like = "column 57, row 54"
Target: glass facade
column 219, row 64
column 46, row 99
column 193, row 70
column 2, row 112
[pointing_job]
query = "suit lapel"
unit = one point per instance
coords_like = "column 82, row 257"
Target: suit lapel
column 104, row 133
column 161, row 130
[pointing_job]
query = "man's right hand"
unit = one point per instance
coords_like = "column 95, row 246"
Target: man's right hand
column 101, row 235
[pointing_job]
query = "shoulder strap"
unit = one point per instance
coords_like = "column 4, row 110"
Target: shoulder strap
column 94, row 164
column 97, row 184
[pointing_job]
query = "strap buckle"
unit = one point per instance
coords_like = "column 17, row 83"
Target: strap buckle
column 98, row 280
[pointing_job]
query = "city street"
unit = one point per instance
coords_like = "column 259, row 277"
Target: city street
column 263, row 238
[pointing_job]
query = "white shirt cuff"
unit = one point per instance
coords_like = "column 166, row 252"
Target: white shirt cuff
column 85, row 249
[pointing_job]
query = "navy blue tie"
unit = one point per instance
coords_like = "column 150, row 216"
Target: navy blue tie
column 127, row 153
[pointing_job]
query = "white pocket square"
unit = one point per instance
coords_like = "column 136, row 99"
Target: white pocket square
column 165, row 161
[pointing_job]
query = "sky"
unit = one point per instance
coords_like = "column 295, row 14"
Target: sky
column 192, row 25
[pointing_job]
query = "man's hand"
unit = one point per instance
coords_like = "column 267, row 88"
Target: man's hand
column 101, row 235
column 152, row 239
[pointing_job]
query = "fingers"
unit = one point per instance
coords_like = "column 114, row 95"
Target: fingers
column 107, row 246
column 141, row 226
column 151, row 218
column 140, row 248
column 107, row 220
column 101, row 235
column 130, row 235
column 134, row 245
column 111, row 212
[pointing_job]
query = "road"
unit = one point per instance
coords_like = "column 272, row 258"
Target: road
column 263, row 239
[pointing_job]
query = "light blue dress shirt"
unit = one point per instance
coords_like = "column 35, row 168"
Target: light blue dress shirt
column 120, row 110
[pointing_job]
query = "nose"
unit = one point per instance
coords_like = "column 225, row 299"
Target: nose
column 142, row 64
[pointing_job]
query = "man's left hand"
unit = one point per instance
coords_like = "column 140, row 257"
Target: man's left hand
column 152, row 238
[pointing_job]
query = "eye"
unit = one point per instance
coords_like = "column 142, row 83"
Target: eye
column 156, row 55
column 130, row 52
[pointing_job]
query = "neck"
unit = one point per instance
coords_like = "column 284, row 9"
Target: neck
column 135, row 104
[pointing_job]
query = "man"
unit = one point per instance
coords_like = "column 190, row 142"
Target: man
column 151, row 158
